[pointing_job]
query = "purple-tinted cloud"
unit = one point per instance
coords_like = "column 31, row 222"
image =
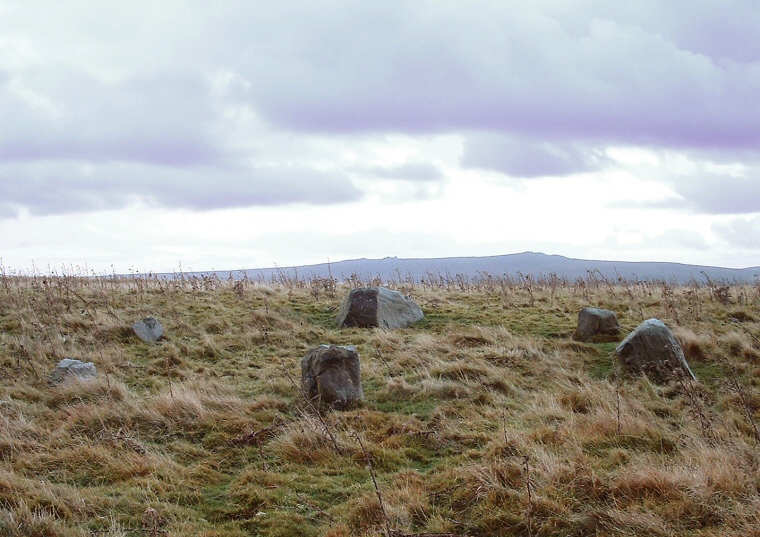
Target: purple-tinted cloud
column 165, row 102
column 505, row 68
column 661, row 75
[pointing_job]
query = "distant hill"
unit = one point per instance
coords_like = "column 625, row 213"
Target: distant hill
column 537, row 265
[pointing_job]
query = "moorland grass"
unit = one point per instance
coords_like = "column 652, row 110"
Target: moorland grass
column 485, row 418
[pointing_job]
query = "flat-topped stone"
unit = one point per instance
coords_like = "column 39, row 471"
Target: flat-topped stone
column 368, row 307
column 596, row 324
column 70, row 370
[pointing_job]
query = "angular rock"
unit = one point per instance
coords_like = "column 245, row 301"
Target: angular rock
column 653, row 349
column 149, row 330
column 595, row 324
column 381, row 307
column 70, row 370
column 331, row 376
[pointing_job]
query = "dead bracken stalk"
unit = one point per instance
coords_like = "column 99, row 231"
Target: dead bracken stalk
column 379, row 354
column 746, row 407
column 264, row 466
column 695, row 403
column 529, row 493
column 736, row 386
column 304, row 500
column 617, row 408
column 399, row 534
column 315, row 410
column 168, row 375
column 528, row 286
column 368, row 458
column 152, row 521
column 257, row 438
column 746, row 331
column 23, row 352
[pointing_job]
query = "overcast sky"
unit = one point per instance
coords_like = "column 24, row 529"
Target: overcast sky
column 237, row 134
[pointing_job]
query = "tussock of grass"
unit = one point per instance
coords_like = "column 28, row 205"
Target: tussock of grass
column 483, row 419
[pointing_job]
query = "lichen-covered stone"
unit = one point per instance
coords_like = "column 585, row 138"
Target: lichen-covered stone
column 149, row 330
column 70, row 370
column 653, row 349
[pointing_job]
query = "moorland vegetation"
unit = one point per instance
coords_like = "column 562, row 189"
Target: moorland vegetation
column 484, row 418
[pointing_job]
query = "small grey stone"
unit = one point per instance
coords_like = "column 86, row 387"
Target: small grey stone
column 595, row 324
column 149, row 330
column 69, row 369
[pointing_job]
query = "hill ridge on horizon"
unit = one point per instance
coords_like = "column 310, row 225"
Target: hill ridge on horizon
column 535, row 264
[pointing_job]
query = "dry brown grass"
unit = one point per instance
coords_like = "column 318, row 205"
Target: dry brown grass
column 483, row 419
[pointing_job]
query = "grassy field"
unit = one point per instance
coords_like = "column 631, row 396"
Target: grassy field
column 485, row 418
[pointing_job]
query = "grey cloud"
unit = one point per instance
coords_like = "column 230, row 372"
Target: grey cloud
column 672, row 202
column 740, row 232
column 409, row 171
column 67, row 114
column 73, row 187
column 706, row 193
column 714, row 193
column 720, row 30
column 527, row 158
column 263, row 186
column 680, row 238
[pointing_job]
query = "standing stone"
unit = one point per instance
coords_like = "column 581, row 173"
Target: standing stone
column 595, row 324
column 331, row 375
column 149, row 330
column 381, row 307
column 69, row 370
column 653, row 349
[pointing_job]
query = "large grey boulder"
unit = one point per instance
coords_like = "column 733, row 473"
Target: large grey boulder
column 381, row 307
column 595, row 324
column 331, row 376
column 653, row 349
column 149, row 330
column 70, row 370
